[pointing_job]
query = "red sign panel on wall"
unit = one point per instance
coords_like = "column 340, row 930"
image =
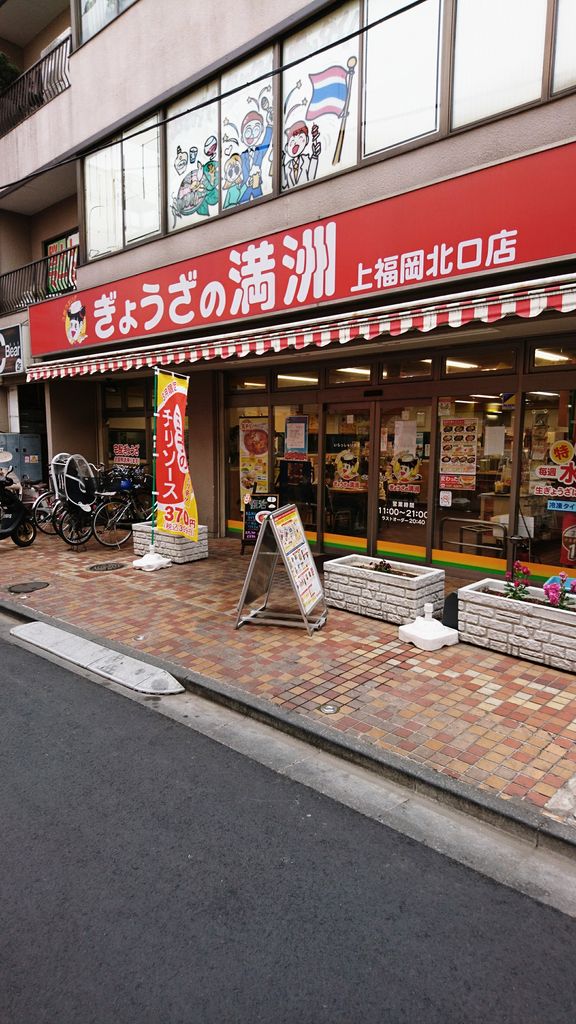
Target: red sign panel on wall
column 509, row 215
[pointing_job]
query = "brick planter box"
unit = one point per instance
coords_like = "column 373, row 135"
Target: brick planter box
column 350, row 584
column 537, row 632
column 177, row 549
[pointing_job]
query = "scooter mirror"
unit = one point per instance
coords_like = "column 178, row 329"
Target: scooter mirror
column 5, row 457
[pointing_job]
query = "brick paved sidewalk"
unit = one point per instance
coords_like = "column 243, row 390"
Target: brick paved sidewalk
column 498, row 723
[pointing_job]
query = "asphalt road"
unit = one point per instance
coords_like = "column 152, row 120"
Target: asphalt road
column 149, row 875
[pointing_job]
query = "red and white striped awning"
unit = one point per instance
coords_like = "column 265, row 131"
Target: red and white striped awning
column 556, row 295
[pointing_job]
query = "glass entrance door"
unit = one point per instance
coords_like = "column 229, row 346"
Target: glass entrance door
column 403, row 475
column 346, row 477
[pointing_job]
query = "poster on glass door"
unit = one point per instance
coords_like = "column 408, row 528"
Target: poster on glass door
column 253, row 455
column 458, row 453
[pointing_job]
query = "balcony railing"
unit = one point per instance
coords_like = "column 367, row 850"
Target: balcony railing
column 54, row 275
column 36, row 87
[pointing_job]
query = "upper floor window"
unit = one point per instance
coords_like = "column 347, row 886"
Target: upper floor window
column 122, row 190
column 499, row 54
column 565, row 47
column 402, row 68
column 193, row 175
column 247, row 131
column 320, row 99
column 339, row 94
column 95, row 14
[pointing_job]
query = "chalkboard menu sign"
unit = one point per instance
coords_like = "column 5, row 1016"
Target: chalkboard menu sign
column 256, row 508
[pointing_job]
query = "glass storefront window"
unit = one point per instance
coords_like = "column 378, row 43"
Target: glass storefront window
column 248, row 445
column 475, row 452
column 473, row 360
column 349, row 375
column 289, row 380
column 192, row 161
column 547, row 506
column 554, row 357
column 247, row 131
column 498, row 56
column 346, row 473
column 320, row 116
column 402, row 73
column 296, row 459
column 246, row 382
column 130, row 431
column 403, row 480
column 405, row 367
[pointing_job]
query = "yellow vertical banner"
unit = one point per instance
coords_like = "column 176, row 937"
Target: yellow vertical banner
column 177, row 512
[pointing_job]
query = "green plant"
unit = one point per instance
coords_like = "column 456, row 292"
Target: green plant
column 516, row 586
column 381, row 565
column 8, row 72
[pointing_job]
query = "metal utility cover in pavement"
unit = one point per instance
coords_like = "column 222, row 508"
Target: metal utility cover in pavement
column 27, row 588
column 105, row 566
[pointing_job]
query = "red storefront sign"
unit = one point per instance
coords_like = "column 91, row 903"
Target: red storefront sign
column 513, row 214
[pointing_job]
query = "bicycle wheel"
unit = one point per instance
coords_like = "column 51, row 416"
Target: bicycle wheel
column 42, row 510
column 75, row 528
column 113, row 523
column 57, row 512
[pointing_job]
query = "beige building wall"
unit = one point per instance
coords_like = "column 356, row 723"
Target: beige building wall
column 32, row 52
column 56, row 220
column 15, row 247
column 72, row 418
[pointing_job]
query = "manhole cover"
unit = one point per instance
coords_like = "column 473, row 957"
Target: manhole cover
column 27, row 588
column 105, row 566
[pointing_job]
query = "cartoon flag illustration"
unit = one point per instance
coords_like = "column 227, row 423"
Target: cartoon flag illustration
column 329, row 92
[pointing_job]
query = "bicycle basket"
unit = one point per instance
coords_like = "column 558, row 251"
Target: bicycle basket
column 79, row 483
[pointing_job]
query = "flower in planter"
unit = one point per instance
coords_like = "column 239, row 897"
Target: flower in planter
column 516, row 586
column 381, row 566
column 559, row 592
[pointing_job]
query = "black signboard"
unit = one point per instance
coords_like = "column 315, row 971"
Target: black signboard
column 10, row 350
column 256, row 509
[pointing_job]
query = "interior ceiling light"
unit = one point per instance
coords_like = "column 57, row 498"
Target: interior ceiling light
column 252, row 384
column 545, row 394
column 457, row 365
column 551, row 357
column 355, row 369
column 307, row 380
column 464, row 401
column 493, row 398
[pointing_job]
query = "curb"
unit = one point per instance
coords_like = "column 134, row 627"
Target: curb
column 526, row 823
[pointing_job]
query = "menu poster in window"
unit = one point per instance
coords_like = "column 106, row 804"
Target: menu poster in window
column 297, row 557
column 458, row 453
column 296, row 437
column 256, row 508
column 253, row 433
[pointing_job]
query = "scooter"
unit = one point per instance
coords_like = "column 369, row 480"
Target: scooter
column 15, row 520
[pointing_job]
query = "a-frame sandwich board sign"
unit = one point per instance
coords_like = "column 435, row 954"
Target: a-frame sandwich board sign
column 282, row 537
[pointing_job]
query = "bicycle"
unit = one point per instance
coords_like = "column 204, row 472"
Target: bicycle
column 113, row 519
